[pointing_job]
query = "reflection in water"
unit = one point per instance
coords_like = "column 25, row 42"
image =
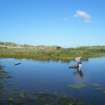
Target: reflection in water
column 79, row 74
column 1, row 67
column 3, row 76
column 3, row 73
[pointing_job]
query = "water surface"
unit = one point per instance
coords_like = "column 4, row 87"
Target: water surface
column 55, row 77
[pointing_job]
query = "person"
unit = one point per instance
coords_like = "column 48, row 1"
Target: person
column 79, row 63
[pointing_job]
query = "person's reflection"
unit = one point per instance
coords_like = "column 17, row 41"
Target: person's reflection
column 79, row 74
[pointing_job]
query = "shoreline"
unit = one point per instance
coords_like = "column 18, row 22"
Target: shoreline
column 52, row 53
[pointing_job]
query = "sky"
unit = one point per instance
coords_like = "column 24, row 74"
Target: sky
column 67, row 23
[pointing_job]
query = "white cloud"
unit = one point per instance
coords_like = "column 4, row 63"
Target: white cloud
column 86, row 17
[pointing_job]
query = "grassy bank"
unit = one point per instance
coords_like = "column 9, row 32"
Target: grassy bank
column 49, row 53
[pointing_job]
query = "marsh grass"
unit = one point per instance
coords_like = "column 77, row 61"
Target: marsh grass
column 78, row 86
column 98, row 87
column 51, row 53
column 41, row 99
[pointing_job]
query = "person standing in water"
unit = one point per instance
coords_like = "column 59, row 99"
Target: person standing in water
column 79, row 63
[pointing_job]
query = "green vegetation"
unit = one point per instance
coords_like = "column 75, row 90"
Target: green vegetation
column 41, row 99
column 12, row 50
column 78, row 86
column 98, row 87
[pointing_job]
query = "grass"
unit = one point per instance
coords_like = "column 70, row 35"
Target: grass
column 49, row 52
column 78, row 86
column 98, row 87
column 41, row 99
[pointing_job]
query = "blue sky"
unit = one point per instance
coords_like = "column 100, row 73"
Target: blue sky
column 67, row 23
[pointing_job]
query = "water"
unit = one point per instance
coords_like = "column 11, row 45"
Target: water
column 55, row 77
